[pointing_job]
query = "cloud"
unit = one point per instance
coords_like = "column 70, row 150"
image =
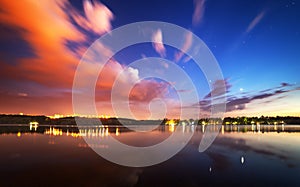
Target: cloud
column 235, row 103
column 45, row 26
column 147, row 90
column 243, row 37
column 284, row 84
column 157, row 43
column 127, row 77
column 198, row 11
column 219, row 87
column 22, row 94
column 255, row 21
column 97, row 17
column 129, row 89
column 188, row 40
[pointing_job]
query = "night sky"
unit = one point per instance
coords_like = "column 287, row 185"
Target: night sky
column 256, row 43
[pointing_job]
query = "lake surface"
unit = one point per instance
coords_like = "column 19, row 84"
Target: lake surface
column 240, row 156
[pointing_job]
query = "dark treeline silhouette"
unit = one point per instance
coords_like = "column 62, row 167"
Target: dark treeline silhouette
column 264, row 120
column 26, row 119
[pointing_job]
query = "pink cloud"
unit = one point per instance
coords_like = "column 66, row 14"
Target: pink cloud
column 188, row 40
column 146, row 90
column 255, row 21
column 22, row 94
column 199, row 11
column 143, row 101
column 157, row 39
column 97, row 17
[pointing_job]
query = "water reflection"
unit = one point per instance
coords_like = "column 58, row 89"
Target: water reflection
column 54, row 131
column 269, row 154
column 103, row 131
column 242, row 159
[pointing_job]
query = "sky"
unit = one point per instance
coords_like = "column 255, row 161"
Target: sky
column 256, row 44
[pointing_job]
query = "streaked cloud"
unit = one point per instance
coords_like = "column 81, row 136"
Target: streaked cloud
column 188, row 40
column 97, row 17
column 45, row 27
column 239, row 103
column 219, row 87
column 22, row 94
column 255, row 21
column 157, row 43
column 198, row 11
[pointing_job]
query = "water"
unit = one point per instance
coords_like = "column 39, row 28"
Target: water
column 240, row 156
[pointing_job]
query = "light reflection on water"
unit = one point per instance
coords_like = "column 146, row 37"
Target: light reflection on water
column 264, row 155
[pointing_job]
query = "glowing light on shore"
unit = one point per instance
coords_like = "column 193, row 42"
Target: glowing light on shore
column 56, row 116
column 104, row 116
column 34, row 125
column 170, row 122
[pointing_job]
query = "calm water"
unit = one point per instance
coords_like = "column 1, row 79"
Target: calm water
column 240, row 156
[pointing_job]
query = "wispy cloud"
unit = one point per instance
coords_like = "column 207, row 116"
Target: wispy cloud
column 251, row 26
column 239, row 103
column 219, row 87
column 97, row 17
column 157, row 42
column 255, row 21
column 198, row 11
column 21, row 94
column 188, row 41
column 45, row 27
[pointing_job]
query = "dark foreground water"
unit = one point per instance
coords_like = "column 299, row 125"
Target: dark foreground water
column 240, row 156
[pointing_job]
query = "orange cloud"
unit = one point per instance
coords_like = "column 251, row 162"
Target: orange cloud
column 46, row 27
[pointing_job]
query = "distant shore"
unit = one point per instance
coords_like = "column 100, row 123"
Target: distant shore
column 263, row 120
